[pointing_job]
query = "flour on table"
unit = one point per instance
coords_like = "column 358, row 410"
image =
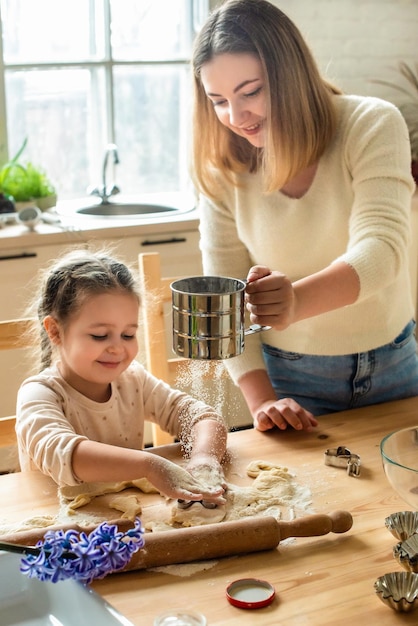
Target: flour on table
column 184, row 569
column 39, row 521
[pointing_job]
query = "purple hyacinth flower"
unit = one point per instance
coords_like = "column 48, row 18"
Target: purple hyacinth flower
column 71, row 554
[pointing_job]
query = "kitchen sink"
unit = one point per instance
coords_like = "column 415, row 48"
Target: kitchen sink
column 146, row 206
column 116, row 209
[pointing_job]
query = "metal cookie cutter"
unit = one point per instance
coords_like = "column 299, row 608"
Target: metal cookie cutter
column 342, row 457
column 185, row 504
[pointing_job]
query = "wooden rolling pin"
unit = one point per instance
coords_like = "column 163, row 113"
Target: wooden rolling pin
column 213, row 541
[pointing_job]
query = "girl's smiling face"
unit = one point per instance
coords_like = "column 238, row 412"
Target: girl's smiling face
column 98, row 344
column 235, row 85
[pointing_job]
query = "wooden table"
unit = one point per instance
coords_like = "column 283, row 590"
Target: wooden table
column 319, row 581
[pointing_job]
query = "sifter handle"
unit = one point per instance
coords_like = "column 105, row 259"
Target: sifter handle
column 255, row 328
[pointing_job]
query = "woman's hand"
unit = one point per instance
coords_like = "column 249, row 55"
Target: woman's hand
column 178, row 483
column 283, row 413
column 270, row 298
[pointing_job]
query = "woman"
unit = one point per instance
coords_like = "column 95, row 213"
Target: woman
column 307, row 192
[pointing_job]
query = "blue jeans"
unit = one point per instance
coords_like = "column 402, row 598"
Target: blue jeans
column 326, row 384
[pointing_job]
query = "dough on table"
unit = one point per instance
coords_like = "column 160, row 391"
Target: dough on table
column 129, row 505
column 143, row 484
column 274, row 491
column 254, row 468
column 79, row 495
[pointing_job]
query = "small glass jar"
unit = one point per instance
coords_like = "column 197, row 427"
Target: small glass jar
column 180, row 618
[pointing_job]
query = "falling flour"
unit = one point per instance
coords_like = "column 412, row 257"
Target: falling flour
column 194, row 376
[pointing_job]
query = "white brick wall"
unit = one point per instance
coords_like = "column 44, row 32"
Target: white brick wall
column 356, row 41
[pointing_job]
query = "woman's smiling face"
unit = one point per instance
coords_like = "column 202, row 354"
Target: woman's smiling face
column 235, row 85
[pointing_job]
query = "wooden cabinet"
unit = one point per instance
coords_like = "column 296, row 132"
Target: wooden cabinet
column 18, row 272
column 179, row 251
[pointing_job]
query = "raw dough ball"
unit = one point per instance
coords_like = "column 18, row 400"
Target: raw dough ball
column 255, row 467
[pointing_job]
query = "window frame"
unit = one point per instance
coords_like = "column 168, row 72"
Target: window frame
column 197, row 13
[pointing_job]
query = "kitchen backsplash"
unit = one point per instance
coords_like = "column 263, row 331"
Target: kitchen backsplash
column 356, row 41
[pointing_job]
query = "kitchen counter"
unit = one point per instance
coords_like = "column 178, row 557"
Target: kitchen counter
column 74, row 228
column 319, row 581
column 71, row 230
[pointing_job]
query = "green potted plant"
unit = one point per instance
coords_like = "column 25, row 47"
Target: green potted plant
column 27, row 183
column 409, row 108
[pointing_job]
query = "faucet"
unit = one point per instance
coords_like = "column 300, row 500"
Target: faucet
column 102, row 191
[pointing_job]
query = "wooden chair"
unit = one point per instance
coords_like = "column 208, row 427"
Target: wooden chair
column 13, row 336
column 156, row 294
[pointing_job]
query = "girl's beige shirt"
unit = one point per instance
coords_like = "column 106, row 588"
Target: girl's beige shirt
column 52, row 417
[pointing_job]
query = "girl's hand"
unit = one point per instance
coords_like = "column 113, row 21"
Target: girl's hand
column 270, row 298
column 282, row 413
column 177, row 483
column 207, row 470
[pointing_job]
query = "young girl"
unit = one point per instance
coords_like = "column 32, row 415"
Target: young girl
column 82, row 418
column 307, row 192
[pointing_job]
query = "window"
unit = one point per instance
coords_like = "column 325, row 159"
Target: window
column 81, row 74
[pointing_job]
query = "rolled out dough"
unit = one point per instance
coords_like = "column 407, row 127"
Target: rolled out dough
column 129, row 505
column 79, row 495
column 274, row 491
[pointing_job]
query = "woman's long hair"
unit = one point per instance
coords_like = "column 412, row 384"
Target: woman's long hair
column 301, row 118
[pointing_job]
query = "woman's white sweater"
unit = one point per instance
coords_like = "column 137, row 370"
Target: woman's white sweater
column 356, row 210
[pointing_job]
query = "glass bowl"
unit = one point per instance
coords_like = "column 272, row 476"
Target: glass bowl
column 399, row 452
